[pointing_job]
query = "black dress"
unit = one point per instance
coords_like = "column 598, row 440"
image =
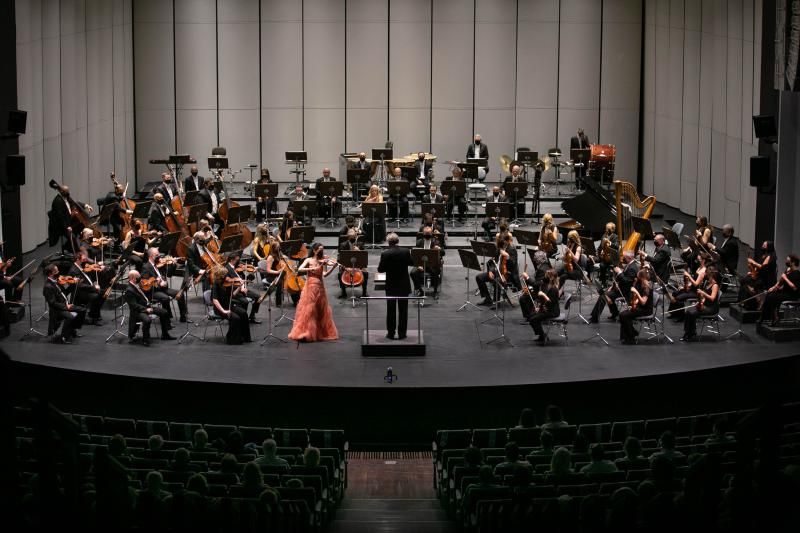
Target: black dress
column 627, row 333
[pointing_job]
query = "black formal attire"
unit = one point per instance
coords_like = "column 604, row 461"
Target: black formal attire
column 351, row 245
column 304, row 218
column 266, row 207
column 157, row 218
column 490, row 224
column 479, row 151
column 238, row 326
column 575, row 143
column 60, row 220
column 660, row 262
column 533, row 284
column 625, row 280
column 547, row 311
column 87, row 294
column 115, row 217
column 362, row 185
column 393, row 201
column 434, row 272
column 395, row 262
column 138, row 303
column 604, row 269
column 626, row 318
column 435, row 199
column 578, row 267
column 483, row 281
column 772, row 300
column 729, row 254
column 169, row 191
column 693, row 313
column 765, row 278
column 326, row 209
column 195, row 263
column 518, row 208
column 57, row 305
column 270, row 278
column 194, row 183
column 213, row 199
column 460, row 201
column 136, row 244
column 163, row 295
column 10, row 283
column 242, row 297
column 419, row 181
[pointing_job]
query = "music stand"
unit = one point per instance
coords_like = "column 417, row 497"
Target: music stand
column 217, row 162
column 498, row 210
column 356, row 259
column 672, row 238
column 436, row 210
column 469, row 170
column 142, row 210
column 526, row 238
column 305, row 234
column 197, row 212
column 231, row 244
column 355, row 177
column 453, row 190
column 192, row 198
column 271, row 289
column 238, row 215
column 382, row 155
column 398, row 189
column 469, row 260
column 643, row 228
column 331, row 189
column 308, row 209
column 373, row 211
column 423, row 258
column 167, row 242
column 298, row 158
column 517, row 189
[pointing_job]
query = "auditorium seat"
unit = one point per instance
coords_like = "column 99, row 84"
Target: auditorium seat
column 494, row 438
column 564, row 435
column 183, row 430
column 218, row 431
column 653, row 428
column 291, row 437
column 525, row 436
column 255, row 434
column 145, row 428
column 596, row 432
column 630, row 428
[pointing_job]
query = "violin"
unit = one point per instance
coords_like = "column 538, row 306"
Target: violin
column 246, row 268
column 635, row 300
column 569, row 261
column 230, row 282
column 752, row 268
column 148, row 283
column 101, row 241
column 166, row 261
column 68, row 280
column 93, row 267
column 547, row 240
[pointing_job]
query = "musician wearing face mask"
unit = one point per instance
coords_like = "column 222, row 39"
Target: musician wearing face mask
column 167, row 188
column 624, row 277
column 265, row 205
column 423, row 171
column 608, row 250
column 363, row 164
column 327, row 205
column 579, row 141
column 702, row 237
column 533, row 284
column 136, row 244
column 227, row 305
column 88, row 288
column 115, row 218
column 428, row 241
column 518, row 209
column 547, row 305
column 299, row 195
column 161, row 291
column 497, row 195
column 459, row 200
column 194, row 181
column 62, row 223
column 640, row 304
column 8, row 280
column 351, row 243
column 212, row 196
column 244, row 295
column 142, row 309
column 195, row 264
column 159, row 211
column 728, row 250
column 394, row 200
column 660, row 258
column 478, row 150
column 762, row 274
column 61, row 308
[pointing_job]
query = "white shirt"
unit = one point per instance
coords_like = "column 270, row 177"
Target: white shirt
column 156, row 269
column 168, row 186
column 214, row 202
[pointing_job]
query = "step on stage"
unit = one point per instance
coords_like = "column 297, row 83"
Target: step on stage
column 375, row 344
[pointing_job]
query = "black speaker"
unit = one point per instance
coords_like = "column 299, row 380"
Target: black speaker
column 15, row 171
column 759, row 171
column 17, row 121
column 764, row 126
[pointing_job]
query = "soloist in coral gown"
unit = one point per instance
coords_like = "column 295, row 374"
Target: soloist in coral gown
column 313, row 320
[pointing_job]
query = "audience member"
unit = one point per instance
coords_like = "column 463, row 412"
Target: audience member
column 667, row 445
column 118, row 448
column 311, row 456
column 293, row 483
column 554, row 418
column 200, row 442
column 234, row 443
column 473, row 458
column 512, row 460
column 181, row 461
column 197, row 483
column 623, row 509
column 718, row 436
column 546, row 442
column 598, row 464
column 154, row 447
column 633, row 459
column 560, row 464
column 252, row 482
column 270, row 458
column 229, row 468
column 527, row 418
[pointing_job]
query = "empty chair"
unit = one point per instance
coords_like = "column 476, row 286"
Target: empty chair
column 255, row 434
column 491, row 438
column 525, row 437
column 688, row 426
column 654, row 427
column 631, row 428
column 124, row 426
column 561, row 320
column 183, row 430
column 90, row 424
column 218, row 431
column 290, row 437
column 145, row 428
column 563, row 434
column 596, row 432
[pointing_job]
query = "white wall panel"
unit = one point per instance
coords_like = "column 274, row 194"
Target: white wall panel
column 689, row 157
column 238, row 66
column 620, row 127
column 324, row 137
column 410, row 131
column 281, row 131
column 452, row 132
column 366, row 129
column 703, row 171
column 195, row 53
column 536, row 128
column 281, row 65
column 716, row 209
column 239, row 134
column 197, row 132
column 496, row 126
column 452, row 65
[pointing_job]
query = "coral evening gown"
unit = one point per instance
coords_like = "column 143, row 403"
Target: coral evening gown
column 313, row 320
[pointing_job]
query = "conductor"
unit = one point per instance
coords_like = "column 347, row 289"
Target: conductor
column 395, row 262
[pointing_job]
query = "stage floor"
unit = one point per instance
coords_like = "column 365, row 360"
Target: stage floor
column 458, row 350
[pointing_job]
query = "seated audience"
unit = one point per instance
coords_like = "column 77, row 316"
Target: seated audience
column 667, row 445
column 599, row 464
column 270, row 448
column 512, row 460
column 527, row 419
column 554, row 418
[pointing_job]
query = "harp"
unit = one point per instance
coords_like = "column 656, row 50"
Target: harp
column 630, row 205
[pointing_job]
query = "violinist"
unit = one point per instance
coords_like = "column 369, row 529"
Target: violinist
column 707, row 304
column 641, row 304
column 199, row 259
column 728, row 251
column 691, row 284
column 61, row 308
column 509, row 256
column 349, row 224
column 546, row 305
column 428, row 241
column 95, row 253
column 786, row 288
column 265, row 205
column 167, row 187
column 194, row 182
column 762, row 274
column 575, row 262
column 88, row 292
column 260, row 239
column 243, row 295
column 548, row 236
column 10, row 283
column 352, row 244
column 62, row 222
column 624, row 277
column 161, row 291
column 159, row 211
column 142, row 310
column 226, row 305
column 494, row 276
column 660, row 258
column 609, row 248
column 136, row 244
column 461, row 200
column 702, row 237
column 533, row 284
column 287, row 223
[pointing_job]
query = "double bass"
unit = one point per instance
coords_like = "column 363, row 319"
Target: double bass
column 237, row 227
column 125, row 205
column 80, row 218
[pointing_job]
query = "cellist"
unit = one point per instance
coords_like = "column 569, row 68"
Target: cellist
column 62, row 221
column 199, row 259
column 159, row 211
column 351, row 243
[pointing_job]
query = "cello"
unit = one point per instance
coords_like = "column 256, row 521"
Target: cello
column 238, row 227
column 125, row 205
